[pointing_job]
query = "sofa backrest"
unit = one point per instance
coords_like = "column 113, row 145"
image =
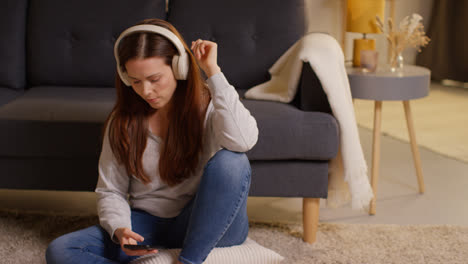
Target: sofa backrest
column 251, row 35
column 70, row 43
column 12, row 44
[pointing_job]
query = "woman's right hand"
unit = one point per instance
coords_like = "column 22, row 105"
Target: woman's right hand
column 128, row 237
column 206, row 54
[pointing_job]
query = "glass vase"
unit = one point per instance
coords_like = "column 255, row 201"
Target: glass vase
column 396, row 62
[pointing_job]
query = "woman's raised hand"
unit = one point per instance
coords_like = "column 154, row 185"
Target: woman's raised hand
column 206, row 54
column 128, row 237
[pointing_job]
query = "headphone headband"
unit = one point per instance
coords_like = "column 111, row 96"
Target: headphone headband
column 179, row 63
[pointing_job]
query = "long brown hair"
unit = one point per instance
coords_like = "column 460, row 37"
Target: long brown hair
column 128, row 121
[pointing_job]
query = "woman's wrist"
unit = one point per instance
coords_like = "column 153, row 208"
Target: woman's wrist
column 118, row 233
column 210, row 71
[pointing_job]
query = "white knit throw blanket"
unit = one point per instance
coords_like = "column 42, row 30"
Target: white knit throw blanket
column 326, row 58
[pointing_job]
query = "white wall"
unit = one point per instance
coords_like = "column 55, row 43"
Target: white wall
column 327, row 16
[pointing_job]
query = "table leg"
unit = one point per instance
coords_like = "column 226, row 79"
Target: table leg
column 375, row 153
column 414, row 146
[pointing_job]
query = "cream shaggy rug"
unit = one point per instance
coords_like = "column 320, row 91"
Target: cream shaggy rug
column 25, row 237
column 440, row 120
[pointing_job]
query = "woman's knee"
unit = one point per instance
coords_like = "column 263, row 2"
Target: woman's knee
column 56, row 249
column 66, row 247
column 229, row 166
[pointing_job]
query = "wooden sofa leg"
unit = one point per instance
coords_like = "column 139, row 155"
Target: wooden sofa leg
column 310, row 218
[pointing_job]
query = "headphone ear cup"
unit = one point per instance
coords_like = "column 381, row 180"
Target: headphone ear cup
column 184, row 65
column 175, row 67
column 123, row 76
column 180, row 66
column 125, row 79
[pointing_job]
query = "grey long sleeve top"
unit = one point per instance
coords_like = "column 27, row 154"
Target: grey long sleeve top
column 227, row 124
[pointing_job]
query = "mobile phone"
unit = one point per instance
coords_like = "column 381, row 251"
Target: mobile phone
column 141, row 247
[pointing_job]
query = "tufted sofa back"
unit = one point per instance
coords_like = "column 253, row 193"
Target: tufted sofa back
column 70, row 43
column 251, row 34
column 12, row 44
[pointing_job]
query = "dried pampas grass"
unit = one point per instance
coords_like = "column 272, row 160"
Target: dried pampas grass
column 410, row 33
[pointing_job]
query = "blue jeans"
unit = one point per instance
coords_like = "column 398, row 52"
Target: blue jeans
column 215, row 217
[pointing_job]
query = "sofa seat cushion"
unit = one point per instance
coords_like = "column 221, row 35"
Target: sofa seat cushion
column 55, row 122
column 287, row 133
column 55, row 103
column 66, row 122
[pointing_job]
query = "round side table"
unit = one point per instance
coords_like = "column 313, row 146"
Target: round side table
column 411, row 82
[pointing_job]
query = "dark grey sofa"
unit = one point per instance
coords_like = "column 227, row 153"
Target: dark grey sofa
column 56, row 89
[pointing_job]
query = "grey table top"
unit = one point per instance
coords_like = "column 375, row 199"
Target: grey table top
column 411, row 82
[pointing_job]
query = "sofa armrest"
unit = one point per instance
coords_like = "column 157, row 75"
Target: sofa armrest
column 310, row 95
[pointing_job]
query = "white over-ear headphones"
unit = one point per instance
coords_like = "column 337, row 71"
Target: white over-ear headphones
column 180, row 63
